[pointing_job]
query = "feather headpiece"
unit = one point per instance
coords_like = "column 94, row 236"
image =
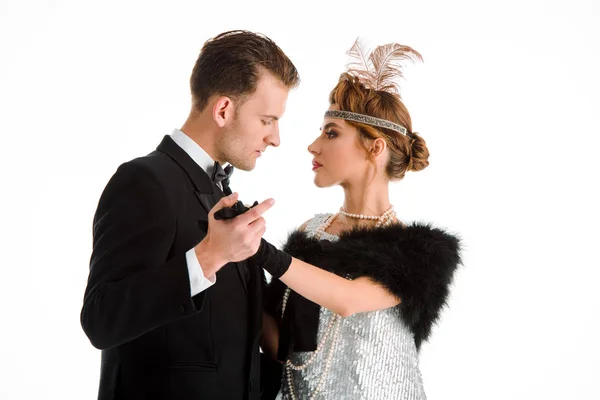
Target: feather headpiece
column 377, row 70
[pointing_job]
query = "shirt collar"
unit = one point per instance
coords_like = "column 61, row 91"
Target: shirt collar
column 193, row 149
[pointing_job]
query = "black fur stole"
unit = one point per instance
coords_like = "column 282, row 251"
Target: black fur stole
column 416, row 263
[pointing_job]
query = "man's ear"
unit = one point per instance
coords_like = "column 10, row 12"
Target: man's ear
column 223, row 110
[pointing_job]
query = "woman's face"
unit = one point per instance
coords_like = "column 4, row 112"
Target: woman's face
column 338, row 156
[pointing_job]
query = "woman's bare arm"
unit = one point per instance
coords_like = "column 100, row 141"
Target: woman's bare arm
column 337, row 294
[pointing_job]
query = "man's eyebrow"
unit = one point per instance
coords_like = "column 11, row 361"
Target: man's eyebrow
column 270, row 116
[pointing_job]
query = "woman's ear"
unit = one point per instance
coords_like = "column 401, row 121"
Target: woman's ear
column 378, row 147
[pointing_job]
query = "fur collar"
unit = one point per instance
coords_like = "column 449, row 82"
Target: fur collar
column 415, row 262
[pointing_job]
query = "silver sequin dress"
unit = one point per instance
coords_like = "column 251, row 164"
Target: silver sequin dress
column 375, row 356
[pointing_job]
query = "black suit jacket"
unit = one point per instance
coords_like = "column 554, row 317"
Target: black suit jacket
column 157, row 341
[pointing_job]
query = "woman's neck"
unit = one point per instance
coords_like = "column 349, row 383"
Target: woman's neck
column 371, row 200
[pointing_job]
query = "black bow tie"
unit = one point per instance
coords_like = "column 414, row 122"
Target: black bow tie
column 220, row 175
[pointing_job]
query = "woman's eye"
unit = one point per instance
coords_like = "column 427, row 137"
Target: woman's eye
column 330, row 134
column 265, row 122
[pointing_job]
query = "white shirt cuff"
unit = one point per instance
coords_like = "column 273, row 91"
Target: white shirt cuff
column 198, row 282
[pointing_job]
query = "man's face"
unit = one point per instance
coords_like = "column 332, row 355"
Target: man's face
column 255, row 125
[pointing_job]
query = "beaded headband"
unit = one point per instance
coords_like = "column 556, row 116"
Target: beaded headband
column 366, row 119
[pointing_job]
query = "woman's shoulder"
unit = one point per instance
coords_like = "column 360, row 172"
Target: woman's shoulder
column 314, row 222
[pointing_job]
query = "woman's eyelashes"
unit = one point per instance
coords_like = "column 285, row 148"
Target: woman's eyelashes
column 330, row 133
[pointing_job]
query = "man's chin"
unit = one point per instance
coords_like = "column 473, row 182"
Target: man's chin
column 246, row 166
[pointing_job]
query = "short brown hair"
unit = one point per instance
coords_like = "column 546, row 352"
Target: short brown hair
column 230, row 64
column 407, row 152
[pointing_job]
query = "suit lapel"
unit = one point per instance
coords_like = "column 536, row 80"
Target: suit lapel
column 208, row 200
column 207, row 193
column 201, row 181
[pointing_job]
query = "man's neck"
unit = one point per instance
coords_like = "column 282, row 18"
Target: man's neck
column 196, row 130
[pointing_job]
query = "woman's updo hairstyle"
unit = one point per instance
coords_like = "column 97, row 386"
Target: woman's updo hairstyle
column 369, row 87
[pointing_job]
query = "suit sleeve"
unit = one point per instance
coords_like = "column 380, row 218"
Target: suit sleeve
column 135, row 285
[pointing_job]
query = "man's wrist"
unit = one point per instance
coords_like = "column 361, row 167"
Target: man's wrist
column 210, row 262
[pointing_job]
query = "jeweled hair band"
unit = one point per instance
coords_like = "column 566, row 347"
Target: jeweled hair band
column 366, row 119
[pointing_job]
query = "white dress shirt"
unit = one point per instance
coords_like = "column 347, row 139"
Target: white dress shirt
column 198, row 282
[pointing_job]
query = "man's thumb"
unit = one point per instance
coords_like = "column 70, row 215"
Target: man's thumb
column 227, row 201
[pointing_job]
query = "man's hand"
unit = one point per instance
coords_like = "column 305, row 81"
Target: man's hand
column 231, row 240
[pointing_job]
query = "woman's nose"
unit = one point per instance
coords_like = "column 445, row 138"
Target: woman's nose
column 312, row 148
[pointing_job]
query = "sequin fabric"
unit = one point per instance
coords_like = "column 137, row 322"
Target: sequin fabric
column 375, row 356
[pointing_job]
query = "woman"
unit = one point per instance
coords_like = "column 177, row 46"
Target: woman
column 359, row 335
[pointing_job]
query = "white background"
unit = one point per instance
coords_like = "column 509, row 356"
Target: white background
column 507, row 100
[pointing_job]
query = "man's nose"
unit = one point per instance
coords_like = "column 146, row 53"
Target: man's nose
column 273, row 139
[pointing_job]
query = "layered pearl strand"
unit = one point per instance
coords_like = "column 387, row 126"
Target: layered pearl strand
column 334, row 324
column 384, row 219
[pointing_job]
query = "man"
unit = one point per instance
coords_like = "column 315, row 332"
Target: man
column 170, row 300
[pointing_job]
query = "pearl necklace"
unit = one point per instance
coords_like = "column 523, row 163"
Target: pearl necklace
column 384, row 219
column 320, row 231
